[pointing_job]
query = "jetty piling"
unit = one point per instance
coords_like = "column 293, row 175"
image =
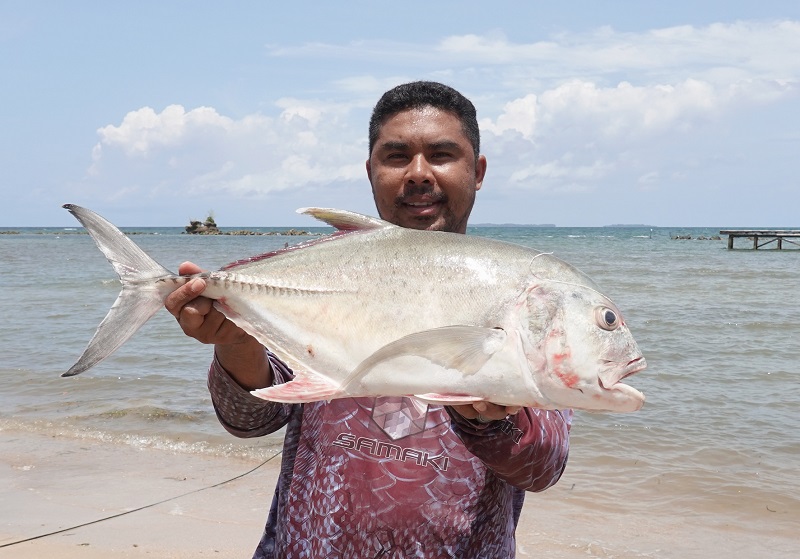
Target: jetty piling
column 764, row 237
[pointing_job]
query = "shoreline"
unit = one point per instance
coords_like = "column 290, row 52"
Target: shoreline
column 115, row 501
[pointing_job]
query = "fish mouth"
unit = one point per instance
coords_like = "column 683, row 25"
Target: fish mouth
column 612, row 374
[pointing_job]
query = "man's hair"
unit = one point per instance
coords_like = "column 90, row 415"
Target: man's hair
column 416, row 95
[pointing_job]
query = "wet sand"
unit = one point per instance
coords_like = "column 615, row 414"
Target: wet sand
column 52, row 484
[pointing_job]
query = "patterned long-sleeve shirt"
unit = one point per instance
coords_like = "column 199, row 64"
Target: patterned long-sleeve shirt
column 393, row 477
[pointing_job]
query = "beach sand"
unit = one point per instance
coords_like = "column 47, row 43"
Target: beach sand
column 50, row 484
column 54, row 483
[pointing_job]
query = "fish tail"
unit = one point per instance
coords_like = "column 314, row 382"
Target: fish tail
column 139, row 299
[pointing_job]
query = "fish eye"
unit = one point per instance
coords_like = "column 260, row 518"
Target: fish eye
column 607, row 319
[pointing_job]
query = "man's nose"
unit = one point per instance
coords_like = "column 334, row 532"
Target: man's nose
column 419, row 170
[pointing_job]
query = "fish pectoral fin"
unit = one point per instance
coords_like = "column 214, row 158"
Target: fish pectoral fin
column 463, row 348
column 449, row 399
column 305, row 387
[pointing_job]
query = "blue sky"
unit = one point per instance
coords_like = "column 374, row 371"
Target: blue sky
column 592, row 113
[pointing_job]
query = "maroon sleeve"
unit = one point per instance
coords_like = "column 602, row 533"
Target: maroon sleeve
column 528, row 450
column 241, row 413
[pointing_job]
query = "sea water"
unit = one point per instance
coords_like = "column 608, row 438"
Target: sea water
column 719, row 436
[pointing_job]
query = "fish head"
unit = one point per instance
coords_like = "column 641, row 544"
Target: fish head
column 588, row 351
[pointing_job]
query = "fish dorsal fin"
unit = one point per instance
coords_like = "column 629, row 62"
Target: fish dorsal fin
column 344, row 220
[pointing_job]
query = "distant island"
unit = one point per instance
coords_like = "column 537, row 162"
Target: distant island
column 631, row 225
column 513, row 225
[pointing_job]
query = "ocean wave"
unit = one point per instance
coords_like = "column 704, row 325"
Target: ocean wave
column 223, row 445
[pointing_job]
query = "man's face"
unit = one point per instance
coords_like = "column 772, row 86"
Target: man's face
column 423, row 171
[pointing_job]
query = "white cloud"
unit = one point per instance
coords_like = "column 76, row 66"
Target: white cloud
column 573, row 137
column 200, row 150
column 566, row 175
column 518, row 115
column 609, row 111
column 144, row 129
column 649, row 181
column 581, row 113
column 768, row 49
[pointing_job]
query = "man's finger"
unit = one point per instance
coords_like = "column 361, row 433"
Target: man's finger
column 189, row 268
column 183, row 296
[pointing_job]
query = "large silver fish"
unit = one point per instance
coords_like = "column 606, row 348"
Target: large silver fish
column 379, row 310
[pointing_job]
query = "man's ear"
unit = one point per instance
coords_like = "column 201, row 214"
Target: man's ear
column 369, row 171
column 480, row 171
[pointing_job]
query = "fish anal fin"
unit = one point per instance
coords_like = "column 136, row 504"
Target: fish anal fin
column 305, row 387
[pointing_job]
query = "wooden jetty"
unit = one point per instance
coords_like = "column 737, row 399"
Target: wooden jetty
column 764, row 237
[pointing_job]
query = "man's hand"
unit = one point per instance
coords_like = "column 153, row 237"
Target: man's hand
column 484, row 412
column 196, row 314
column 238, row 352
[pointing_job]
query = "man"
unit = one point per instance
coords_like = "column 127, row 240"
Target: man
column 389, row 477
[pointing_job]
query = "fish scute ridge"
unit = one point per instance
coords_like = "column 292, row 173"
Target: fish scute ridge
column 253, row 284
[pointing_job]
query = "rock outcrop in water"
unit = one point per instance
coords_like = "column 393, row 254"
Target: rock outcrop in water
column 207, row 227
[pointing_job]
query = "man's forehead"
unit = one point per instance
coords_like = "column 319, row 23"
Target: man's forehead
column 424, row 112
column 435, row 123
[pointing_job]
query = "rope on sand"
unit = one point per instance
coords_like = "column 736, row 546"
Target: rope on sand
column 139, row 508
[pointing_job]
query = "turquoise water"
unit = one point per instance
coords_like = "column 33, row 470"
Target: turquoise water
column 719, row 434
